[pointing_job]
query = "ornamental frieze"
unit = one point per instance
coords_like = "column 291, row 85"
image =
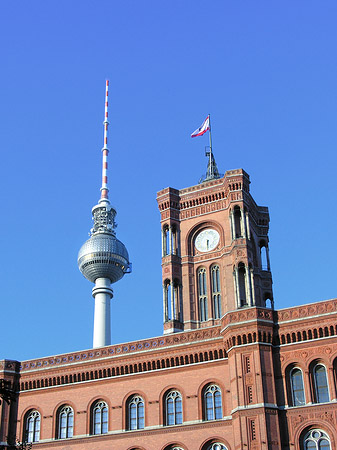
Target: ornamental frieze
column 305, row 354
column 241, row 254
column 203, row 209
column 248, row 314
column 312, row 416
column 119, row 350
column 307, row 311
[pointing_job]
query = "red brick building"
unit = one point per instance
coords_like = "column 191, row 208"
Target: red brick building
column 229, row 372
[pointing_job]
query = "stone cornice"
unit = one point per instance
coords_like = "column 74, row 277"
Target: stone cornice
column 306, row 311
column 176, row 340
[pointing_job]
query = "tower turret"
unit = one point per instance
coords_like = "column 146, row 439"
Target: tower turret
column 215, row 256
column 103, row 259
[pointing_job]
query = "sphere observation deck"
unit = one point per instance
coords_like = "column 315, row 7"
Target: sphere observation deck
column 103, row 255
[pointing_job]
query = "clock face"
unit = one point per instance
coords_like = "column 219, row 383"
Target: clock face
column 207, row 240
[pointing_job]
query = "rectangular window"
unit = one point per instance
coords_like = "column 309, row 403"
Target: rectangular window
column 252, row 430
column 247, row 364
column 249, row 394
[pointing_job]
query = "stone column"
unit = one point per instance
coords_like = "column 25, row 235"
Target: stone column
column 247, row 286
column 176, row 302
column 243, row 223
column 178, row 242
column 231, row 217
column 180, row 317
column 173, row 240
column 165, row 303
column 252, row 286
column 268, row 261
column 236, row 285
column 170, row 240
column 172, row 302
column 163, row 243
column 331, row 383
column 247, row 225
column 307, row 390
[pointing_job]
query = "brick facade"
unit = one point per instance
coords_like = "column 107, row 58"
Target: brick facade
column 274, row 369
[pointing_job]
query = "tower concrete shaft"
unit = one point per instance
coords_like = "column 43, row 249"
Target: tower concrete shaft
column 102, row 294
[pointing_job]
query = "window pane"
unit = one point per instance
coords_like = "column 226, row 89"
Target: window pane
column 30, row 428
column 310, row 445
column 204, row 281
column 218, row 406
column 133, row 416
column 70, row 424
column 140, row 415
column 297, row 387
column 170, row 412
column 179, row 411
column 97, row 421
column 105, row 420
column 209, row 406
column 321, row 384
column 63, row 425
column 324, row 445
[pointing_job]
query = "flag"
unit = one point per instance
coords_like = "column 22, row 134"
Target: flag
column 201, row 130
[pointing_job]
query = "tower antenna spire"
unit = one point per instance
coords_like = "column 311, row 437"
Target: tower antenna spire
column 105, row 150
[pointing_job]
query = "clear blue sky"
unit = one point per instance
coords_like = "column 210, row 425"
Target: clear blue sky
column 266, row 71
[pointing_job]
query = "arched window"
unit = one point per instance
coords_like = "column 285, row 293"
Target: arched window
column 173, row 447
column 202, row 294
column 65, row 422
column 297, row 388
column 237, row 222
column 136, row 413
column 212, row 402
column 166, row 243
column 99, row 418
column 316, row 440
column 216, row 291
column 242, row 285
column 268, row 301
column 32, row 428
column 264, row 256
column 217, row 446
column 173, row 408
column 321, row 387
column 174, row 232
column 176, row 299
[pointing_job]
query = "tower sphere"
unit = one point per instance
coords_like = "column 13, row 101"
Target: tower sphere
column 103, row 256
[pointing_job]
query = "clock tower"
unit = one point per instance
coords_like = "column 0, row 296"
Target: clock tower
column 215, row 255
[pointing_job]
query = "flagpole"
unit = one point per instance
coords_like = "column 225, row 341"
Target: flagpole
column 210, row 145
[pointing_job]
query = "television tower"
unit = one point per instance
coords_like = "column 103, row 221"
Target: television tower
column 103, row 259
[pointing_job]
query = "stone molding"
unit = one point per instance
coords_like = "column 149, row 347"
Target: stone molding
column 306, row 311
column 307, row 353
column 247, row 314
column 122, row 349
